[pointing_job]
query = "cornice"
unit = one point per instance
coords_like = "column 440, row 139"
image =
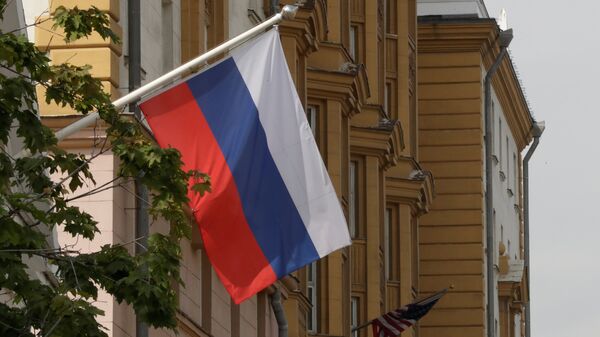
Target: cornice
column 320, row 13
column 378, row 136
column 375, row 141
column 346, row 86
column 334, row 57
column 370, row 140
column 335, row 85
column 480, row 35
column 511, row 97
column 309, row 26
column 418, row 192
column 516, row 291
column 440, row 36
column 188, row 324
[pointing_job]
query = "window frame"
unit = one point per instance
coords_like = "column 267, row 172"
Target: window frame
column 353, row 42
column 312, row 116
column 354, row 314
column 353, row 193
column 387, row 242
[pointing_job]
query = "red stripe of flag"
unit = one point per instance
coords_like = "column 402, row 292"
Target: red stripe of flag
column 177, row 121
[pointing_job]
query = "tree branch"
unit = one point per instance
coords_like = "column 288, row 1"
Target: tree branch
column 30, row 25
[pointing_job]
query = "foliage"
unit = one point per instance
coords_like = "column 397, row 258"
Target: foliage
column 32, row 202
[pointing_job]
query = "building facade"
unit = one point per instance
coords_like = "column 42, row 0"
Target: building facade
column 355, row 68
column 455, row 53
column 392, row 104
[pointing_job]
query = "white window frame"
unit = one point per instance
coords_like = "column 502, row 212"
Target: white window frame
column 500, row 142
column 516, row 173
column 311, row 115
column 507, row 160
column 508, row 168
column 354, row 314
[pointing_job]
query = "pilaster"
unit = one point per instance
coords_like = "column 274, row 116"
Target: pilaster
column 373, row 234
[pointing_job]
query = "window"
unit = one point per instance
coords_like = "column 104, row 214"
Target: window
column 496, row 250
column 496, row 327
column 507, row 166
column 507, row 159
column 353, row 43
column 500, row 141
column 387, row 99
column 353, row 199
column 311, row 292
column 387, row 237
column 311, row 116
column 354, row 314
column 516, row 172
column 391, row 17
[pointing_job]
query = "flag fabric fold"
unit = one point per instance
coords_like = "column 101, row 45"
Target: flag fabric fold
column 394, row 322
column 273, row 208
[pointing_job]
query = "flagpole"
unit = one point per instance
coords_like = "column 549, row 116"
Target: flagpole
column 288, row 12
column 364, row 325
column 443, row 291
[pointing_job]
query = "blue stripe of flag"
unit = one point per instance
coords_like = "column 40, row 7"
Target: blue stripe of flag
column 232, row 115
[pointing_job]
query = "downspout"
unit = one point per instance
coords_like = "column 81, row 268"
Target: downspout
column 537, row 130
column 135, row 81
column 279, row 313
column 504, row 39
column 274, row 4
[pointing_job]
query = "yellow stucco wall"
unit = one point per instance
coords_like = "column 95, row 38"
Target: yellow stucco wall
column 452, row 235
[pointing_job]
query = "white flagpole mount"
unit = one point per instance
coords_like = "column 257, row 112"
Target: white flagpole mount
column 288, row 12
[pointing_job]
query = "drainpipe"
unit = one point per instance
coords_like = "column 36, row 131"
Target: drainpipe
column 537, row 130
column 279, row 313
column 135, row 81
column 504, row 39
column 274, row 6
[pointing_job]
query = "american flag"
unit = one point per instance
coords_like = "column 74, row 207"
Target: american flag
column 394, row 322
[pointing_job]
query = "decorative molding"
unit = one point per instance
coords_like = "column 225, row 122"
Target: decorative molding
column 189, row 325
column 309, row 27
column 348, row 87
column 418, row 191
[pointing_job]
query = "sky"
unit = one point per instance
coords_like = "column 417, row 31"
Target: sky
column 556, row 47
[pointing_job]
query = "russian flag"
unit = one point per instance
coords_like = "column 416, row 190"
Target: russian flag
column 272, row 208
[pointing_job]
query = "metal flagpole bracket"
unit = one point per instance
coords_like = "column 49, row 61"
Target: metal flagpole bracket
column 288, row 12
